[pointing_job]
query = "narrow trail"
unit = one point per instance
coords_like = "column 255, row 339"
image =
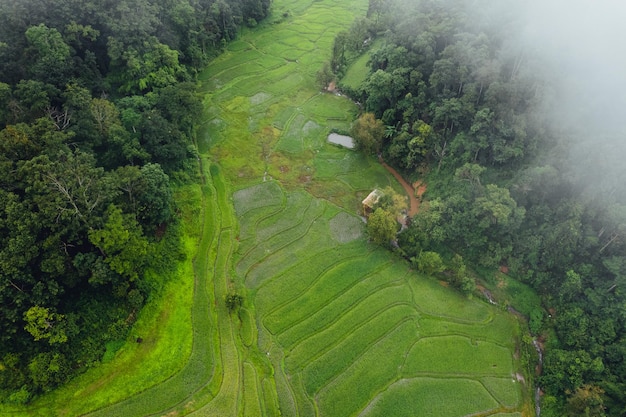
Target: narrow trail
column 413, row 195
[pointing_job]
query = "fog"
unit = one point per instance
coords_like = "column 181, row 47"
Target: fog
column 579, row 48
column 583, row 44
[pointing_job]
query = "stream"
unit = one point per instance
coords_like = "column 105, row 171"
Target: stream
column 536, row 345
column 538, row 389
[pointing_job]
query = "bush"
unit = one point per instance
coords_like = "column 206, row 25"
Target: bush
column 381, row 226
column 428, row 263
column 233, row 301
column 20, row 397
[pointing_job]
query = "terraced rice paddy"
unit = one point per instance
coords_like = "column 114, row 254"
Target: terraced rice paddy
column 330, row 326
column 353, row 331
column 348, row 329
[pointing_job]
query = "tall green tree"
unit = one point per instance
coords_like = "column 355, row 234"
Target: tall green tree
column 429, row 263
column 41, row 323
column 122, row 243
column 53, row 62
column 367, row 131
column 382, row 227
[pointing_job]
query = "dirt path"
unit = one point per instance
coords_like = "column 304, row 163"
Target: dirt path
column 414, row 197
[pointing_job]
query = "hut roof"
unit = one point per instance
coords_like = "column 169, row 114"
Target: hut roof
column 373, row 197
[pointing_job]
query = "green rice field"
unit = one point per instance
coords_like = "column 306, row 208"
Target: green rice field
column 330, row 325
column 351, row 330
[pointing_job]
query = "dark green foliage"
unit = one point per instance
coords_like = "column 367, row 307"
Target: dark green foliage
column 324, row 76
column 97, row 111
column 349, row 44
column 457, row 275
column 382, row 227
column 428, row 263
column 233, row 301
column 586, row 401
column 52, row 63
column 461, row 99
column 367, row 132
column 153, row 196
column 438, row 68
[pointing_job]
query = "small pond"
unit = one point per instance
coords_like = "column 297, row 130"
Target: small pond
column 343, row 140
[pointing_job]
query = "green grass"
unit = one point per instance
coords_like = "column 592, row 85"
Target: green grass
column 251, row 401
column 238, row 46
column 358, row 71
column 332, row 284
column 498, row 330
column 271, row 246
column 505, row 390
column 225, row 62
column 111, row 349
column 291, row 281
column 378, row 178
column 457, row 355
column 517, row 294
column 248, row 327
column 333, row 162
column 261, row 195
column 327, row 106
column 243, row 70
column 270, row 399
column 330, row 310
column 368, row 375
column 292, row 213
column 351, row 347
column 429, row 397
column 436, row 300
column 363, row 296
column 345, row 228
column 284, row 116
column 303, row 349
column 315, row 237
column 249, row 224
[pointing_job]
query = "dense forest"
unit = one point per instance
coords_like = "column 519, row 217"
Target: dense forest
column 451, row 94
column 97, row 109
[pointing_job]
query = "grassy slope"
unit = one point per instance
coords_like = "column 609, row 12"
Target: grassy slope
column 333, row 317
column 164, row 324
column 359, row 70
column 338, row 316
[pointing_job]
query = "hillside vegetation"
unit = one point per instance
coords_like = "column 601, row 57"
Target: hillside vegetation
column 513, row 185
column 97, row 114
column 196, row 248
column 335, row 314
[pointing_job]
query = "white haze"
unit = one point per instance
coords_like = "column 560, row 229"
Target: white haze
column 584, row 43
column 580, row 48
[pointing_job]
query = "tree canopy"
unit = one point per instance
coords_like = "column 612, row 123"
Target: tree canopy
column 98, row 106
column 462, row 100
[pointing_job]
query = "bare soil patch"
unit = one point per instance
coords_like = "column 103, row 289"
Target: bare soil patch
column 411, row 192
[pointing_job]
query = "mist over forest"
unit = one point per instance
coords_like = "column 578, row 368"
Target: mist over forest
column 513, row 112
column 579, row 45
column 574, row 49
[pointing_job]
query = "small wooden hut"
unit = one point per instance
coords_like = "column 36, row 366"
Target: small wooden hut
column 370, row 201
